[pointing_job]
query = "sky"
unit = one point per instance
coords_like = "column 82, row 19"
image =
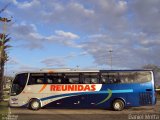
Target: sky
column 48, row 34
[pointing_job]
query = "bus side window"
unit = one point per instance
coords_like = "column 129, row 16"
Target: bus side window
column 71, row 78
column 135, row 77
column 110, row 78
column 54, row 78
column 49, row 81
column 74, row 80
column 86, row 80
column 126, row 77
column 103, row 80
column 113, row 79
column 91, row 78
column 36, row 78
column 94, row 81
column 49, row 78
column 39, row 80
column 66, row 80
column 57, row 81
column 31, row 81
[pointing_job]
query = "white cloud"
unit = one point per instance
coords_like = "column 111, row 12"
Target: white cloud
column 14, row 66
column 128, row 51
column 79, row 8
column 130, row 28
column 122, row 5
column 54, row 62
column 32, row 39
column 146, row 15
column 26, row 4
column 68, row 35
column 59, row 61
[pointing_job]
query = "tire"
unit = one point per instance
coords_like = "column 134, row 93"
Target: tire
column 118, row 105
column 34, row 104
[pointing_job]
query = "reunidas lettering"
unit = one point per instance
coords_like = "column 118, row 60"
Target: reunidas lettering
column 72, row 87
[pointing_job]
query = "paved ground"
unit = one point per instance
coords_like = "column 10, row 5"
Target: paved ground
column 148, row 112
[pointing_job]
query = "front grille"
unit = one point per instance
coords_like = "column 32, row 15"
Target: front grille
column 145, row 98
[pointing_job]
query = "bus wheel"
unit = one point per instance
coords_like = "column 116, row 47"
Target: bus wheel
column 35, row 104
column 118, row 105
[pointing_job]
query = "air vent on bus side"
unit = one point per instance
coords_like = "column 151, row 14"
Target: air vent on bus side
column 145, row 98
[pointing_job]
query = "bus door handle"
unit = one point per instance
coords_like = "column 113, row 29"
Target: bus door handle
column 148, row 90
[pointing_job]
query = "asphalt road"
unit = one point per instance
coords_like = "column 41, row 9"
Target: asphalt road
column 134, row 113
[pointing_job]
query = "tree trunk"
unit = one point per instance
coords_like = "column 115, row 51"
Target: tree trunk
column 1, row 79
column 1, row 85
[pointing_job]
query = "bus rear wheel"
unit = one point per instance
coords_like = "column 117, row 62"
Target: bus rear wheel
column 118, row 105
column 34, row 104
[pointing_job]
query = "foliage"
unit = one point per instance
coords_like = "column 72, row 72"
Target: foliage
column 3, row 107
column 4, row 46
column 155, row 68
column 3, row 58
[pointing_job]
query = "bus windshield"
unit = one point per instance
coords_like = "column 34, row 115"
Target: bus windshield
column 19, row 84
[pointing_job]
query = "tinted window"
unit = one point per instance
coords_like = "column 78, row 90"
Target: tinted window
column 36, row 78
column 91, row 78
column 135, row 77
column 21, row 79
column 55, row 78
column 71, row 78
column 126, row 77
column 110, row 78
column 19, row 83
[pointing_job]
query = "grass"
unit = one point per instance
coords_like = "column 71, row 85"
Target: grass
column 3, row 108
column 6, row 97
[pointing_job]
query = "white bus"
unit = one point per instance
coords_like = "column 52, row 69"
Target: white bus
column 115, row 89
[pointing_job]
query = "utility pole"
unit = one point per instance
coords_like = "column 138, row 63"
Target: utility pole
column 110, row 52
column 77, row 67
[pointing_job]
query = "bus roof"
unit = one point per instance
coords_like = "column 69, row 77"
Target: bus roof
column 80, row 71
column 125, row 70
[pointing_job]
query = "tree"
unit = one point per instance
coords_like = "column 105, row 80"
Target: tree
column 4, row 39
column 155, row 68
column 3, row 46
